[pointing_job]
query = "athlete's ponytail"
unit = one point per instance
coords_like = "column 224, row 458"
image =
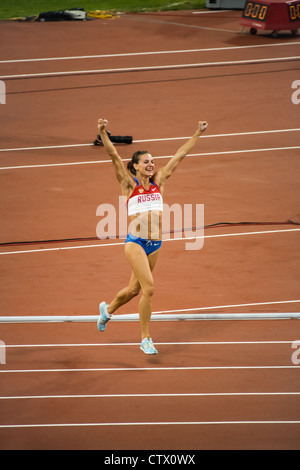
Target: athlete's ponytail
column 134, row 160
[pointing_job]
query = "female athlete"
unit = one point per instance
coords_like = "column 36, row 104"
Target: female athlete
column 143, row 187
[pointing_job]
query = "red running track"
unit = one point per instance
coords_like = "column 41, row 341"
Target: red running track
column 214, row 384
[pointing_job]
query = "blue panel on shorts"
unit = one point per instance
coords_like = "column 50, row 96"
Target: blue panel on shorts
column 149, row 246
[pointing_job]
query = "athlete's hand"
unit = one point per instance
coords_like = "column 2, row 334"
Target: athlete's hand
column 102, row 123
column 202, row 126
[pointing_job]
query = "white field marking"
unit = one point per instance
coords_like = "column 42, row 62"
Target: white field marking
column 48, row 147
column 97, row 162
column 149, row 369
column 210, row 11
column 186, row 343
column 232, row 234
column 154, row 395
column 149, row 68
column 101, row 245
column 173, row 23
column 230, row 306
column 133, row 54
column 169, row 139
column 153, row 423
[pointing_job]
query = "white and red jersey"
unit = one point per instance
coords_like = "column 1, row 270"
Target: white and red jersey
column 142, row 200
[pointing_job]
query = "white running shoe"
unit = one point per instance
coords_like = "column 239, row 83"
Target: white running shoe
column 104, row 318
column 147, row 346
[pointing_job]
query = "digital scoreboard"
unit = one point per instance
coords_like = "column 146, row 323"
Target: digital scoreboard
column 256, row 11
column 272, row 15
column 294, row 11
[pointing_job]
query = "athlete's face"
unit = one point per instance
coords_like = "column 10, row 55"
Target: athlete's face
column 146, row 165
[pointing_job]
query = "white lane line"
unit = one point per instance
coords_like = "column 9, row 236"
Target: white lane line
column 239, row 234
column 149, row 68
column 255, row 304
column 185, row 343
column 146, row 369
column 203, row 12
column 101, row 245
column 174, row 23
column 133, row 54
column 46, row 147
column 97, row 162
column 151, row 423
column 169, row 139
column 154, row 395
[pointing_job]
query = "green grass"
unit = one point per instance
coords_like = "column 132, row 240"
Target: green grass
column 23, row 8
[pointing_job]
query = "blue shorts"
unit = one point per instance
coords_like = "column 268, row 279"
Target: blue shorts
column 149, row 246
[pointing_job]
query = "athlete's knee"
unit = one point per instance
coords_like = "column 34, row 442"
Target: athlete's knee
column 148, row 290
column 133, row 291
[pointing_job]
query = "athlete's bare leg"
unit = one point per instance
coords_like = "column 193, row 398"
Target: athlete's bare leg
column 125, row 295
column 141, row 278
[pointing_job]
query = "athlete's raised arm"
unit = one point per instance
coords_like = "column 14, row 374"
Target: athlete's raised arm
column 122, row 175
column 166, row 171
